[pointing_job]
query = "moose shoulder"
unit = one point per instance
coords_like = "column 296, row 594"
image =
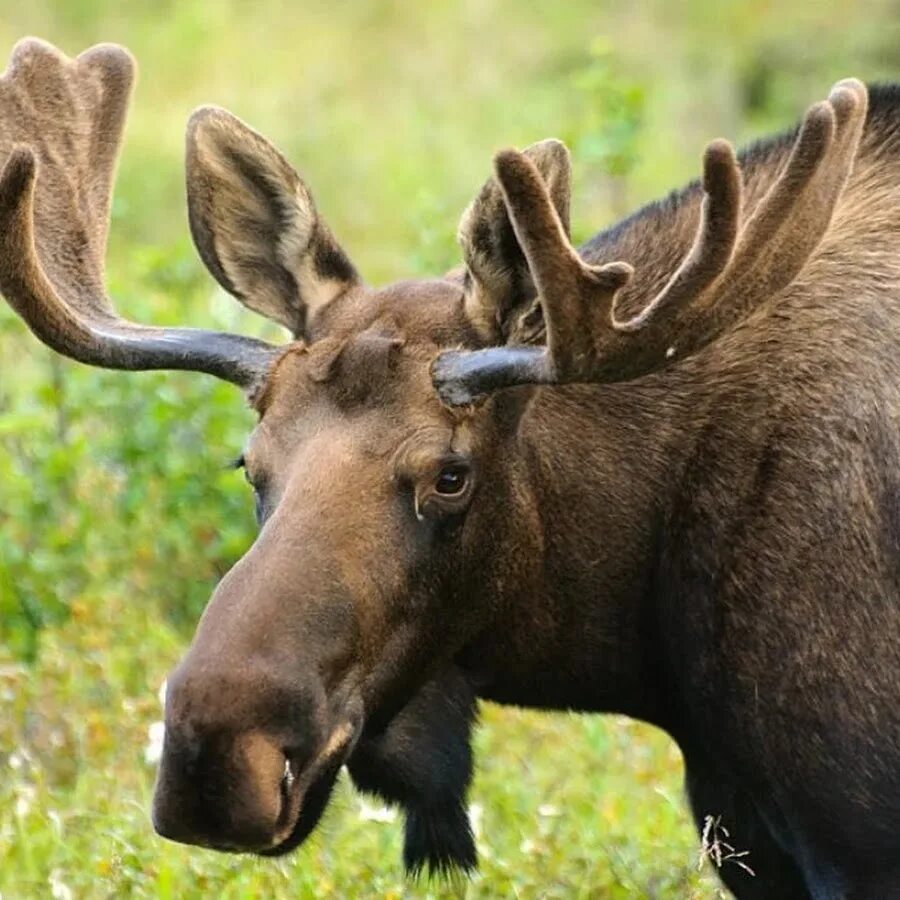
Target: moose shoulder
column 656, row 475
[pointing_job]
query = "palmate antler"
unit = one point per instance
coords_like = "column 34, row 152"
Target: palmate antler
column 61, row 125
column 729, row 270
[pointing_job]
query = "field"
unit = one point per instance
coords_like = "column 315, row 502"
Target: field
column 117, row 511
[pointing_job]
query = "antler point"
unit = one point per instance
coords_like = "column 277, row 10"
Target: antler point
column 851, row 84
column 113, row 58
column 28, row 46
column 506, row 162
column 819, row 115
column 720, row 148
column 206, row 113
column 551, row 145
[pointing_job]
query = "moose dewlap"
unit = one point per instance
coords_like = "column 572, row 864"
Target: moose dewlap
column 656, row 474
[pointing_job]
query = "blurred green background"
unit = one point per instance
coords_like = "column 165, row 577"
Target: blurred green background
column 117, row 515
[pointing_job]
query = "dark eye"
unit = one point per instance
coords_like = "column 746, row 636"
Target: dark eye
column 451, row 480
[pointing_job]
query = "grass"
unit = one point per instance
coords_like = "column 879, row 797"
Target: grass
column 566, row 806
column 116, row 516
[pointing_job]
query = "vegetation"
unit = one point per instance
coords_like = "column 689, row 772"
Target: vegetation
column 117, row 513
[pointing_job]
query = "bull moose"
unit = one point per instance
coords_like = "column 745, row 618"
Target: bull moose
column 657, row 475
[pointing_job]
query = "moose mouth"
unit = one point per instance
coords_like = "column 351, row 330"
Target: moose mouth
column 306, row 795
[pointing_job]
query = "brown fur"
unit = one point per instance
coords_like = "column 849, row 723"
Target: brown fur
column 712, row 546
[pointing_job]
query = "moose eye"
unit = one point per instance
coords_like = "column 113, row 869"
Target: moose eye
column 444, row 494
column 451, row 480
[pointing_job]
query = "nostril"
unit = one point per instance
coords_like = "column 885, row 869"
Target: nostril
column 287, row 780
column 237, row 794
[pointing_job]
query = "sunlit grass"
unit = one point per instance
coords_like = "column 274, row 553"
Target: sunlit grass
column 565, row 806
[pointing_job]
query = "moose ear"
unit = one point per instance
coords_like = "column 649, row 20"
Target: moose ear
column 255, row 224
column 499, row 284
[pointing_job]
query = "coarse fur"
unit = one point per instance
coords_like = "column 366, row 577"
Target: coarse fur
column 712, row 545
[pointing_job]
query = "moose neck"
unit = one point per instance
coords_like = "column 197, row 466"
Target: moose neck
column 579, row 614
column 577, row 624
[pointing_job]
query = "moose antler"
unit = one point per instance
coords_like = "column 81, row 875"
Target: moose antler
column 61, row 125
column 727, row 273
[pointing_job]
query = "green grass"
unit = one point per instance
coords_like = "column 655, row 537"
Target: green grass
column 116, row 514
column 570, row 806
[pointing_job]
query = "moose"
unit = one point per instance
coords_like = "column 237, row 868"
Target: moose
column 658, row 474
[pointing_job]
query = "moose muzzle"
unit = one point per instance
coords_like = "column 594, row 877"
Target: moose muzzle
column 227, row 786
column 259, row 716
column 226, row 793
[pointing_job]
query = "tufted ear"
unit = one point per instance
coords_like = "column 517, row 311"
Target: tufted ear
column 498, row 284
column 255, row 224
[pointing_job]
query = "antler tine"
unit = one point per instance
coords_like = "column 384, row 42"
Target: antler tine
column 61, row 124
column 727, row 273
column 561, row 277
column 790, row 220
column 824, row 150
column 814, row 139
column 103, row 339
column 585, row 339
column 680, row 321
column 713, row 248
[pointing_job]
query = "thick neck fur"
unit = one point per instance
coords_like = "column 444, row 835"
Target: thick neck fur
column 578, row 621
column 641, row 493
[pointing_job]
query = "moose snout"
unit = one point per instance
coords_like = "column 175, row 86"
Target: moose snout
column 233, row 747
column 257, row 724
column 225, row 795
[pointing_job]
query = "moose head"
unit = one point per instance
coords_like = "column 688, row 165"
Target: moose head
column 406, row 517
